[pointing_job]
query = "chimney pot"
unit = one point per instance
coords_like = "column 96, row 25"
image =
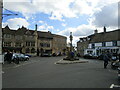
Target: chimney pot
column 96, row 31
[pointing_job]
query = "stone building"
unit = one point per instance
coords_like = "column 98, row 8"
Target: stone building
column 81, row 45
column 45, row 42
column 21, row 40
column 32, row 42
column 101, row 41
column 59, row 44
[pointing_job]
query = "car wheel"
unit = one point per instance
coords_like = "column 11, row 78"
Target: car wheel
column 16, row 61
column 27, row 59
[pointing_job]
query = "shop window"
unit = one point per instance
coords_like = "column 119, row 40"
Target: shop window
column 32, row 50
column 27, row 50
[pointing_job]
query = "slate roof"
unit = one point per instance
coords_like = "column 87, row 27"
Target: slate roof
column 23, row 31
column 47, row 35
column 105, row 37
column 59, row 36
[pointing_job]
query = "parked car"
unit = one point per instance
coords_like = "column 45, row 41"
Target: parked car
column 15, row 58
column 28, row 55
column 54, row 54
column 89, row 56
column 46, row 54
column 59, row 54
column 23, row 57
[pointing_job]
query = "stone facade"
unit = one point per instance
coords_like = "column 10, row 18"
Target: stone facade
column 32, row 42
column 103, row 40
column 82, row 44
column 59, row 44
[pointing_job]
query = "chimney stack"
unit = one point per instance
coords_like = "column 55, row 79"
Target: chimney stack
column 36, row 27
column 95, row 31
column 81, row 39
column 104, row 29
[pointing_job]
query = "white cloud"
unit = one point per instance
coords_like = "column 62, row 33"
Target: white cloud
column 17, row 0
column 15, row 23
column 101, row 12
column 64, row 24
column 45, row 27
column 41, row 22
column 107, row 16
column 57, row 9
column 81, row 30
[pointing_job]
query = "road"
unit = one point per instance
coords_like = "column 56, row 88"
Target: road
column 42, row 72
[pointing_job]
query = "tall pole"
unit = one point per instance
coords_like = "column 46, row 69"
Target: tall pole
column 1, row 58
column 36, row 41
column 1, row 5
column 71, row 38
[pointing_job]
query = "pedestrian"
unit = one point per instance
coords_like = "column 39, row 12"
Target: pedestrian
column 11, row 54
column 109, row 55
column 106, row 58
column 72, row 54
column 8, row 57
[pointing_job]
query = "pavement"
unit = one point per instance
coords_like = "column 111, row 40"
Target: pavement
column 70, row 62
column 42, row 72
column 6, row 65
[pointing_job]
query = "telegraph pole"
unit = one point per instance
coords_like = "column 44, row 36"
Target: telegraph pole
column 1, row 58
column 2, row 15
column 1, row 5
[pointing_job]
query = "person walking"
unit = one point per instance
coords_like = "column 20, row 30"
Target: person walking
column 8, row 57
column 106, row 59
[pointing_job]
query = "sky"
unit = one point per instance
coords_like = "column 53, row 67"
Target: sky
column 81, row 17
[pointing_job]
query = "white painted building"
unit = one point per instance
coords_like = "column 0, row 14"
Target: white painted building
column 99, row 42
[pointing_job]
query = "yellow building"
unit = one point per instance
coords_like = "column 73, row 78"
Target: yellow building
column 59, row 44
column 32, row 42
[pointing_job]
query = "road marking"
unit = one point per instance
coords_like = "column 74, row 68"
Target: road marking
column 111, row 85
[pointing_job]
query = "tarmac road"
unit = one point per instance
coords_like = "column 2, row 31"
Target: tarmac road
column 42, row 72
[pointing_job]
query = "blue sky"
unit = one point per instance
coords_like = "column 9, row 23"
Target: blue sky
column 81, row 17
